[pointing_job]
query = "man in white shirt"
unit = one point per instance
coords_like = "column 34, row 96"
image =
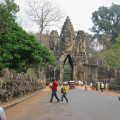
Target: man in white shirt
column 2, row 114
column 91, row 85
column 102, row 87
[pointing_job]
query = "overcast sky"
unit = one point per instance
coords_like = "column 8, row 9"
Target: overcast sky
column 79, row 11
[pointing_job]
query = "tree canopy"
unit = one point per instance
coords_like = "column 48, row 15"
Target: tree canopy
column 112, row 55
column 8, row 9
column 20, row 51
column 106, row 21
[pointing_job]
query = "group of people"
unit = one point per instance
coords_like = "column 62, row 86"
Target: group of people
column 54, row 92
column 79, row 83
column 99, row 86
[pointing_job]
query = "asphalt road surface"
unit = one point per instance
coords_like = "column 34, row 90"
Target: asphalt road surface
column 83, row 105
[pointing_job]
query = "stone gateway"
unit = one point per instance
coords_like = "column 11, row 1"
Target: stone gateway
column 69, row 47
column 70, row 50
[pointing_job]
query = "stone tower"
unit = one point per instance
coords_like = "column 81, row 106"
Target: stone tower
column 67, row 37
column 80, row 45
column 54, row 39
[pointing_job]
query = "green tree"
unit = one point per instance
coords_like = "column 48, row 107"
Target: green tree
column 8, row 9
column 20, row 51
column 104, row 40
column 112, row 55
column 106, row 21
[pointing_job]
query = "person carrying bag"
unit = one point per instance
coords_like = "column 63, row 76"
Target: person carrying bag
column 64, row 93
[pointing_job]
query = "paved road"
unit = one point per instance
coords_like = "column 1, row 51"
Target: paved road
column 83, row 105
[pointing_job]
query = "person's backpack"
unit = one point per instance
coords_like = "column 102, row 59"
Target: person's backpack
column 61, row 90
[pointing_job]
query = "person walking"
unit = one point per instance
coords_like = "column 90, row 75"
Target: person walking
column 85, row 86
column 54, row 91
column 102, row 87
column 81, row 83
column 106, row 87
column 2, row 114
column 64, row 93
column 91, row 85
column 98, row 86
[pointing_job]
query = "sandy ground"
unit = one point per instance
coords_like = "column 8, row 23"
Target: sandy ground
column 17, row 109
column 39, row 108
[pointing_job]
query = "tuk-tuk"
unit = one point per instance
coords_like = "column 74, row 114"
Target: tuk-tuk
column 71, row 84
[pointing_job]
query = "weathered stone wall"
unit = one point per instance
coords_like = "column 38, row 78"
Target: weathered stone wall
column 13, row 85
column 114, row 78
column 98, row 70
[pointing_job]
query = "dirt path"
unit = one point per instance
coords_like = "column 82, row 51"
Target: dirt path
column 19, row 108
column 79, row 107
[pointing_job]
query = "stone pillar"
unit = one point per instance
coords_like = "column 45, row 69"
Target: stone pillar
column 61, row 72
column 82, row 76
column 89, row 77
column 74, row 72
column 96, row 73
column 85, row 73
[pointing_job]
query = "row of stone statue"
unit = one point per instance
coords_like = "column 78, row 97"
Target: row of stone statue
column 13, row 87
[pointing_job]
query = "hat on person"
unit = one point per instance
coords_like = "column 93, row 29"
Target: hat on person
column 64, row 83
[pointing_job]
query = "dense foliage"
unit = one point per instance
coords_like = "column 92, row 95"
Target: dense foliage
column 112, row 55
column 19, row 50
column 106, row 21
column 67, row 68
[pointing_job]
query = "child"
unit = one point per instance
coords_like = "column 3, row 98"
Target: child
column 64, row 93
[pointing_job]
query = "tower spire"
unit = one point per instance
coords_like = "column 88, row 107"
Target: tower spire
column 67, row 36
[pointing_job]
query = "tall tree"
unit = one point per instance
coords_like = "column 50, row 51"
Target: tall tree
column 44, row 13
column 8, row 9
column 112, row 55
column 106, row 21
column 104, row 41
